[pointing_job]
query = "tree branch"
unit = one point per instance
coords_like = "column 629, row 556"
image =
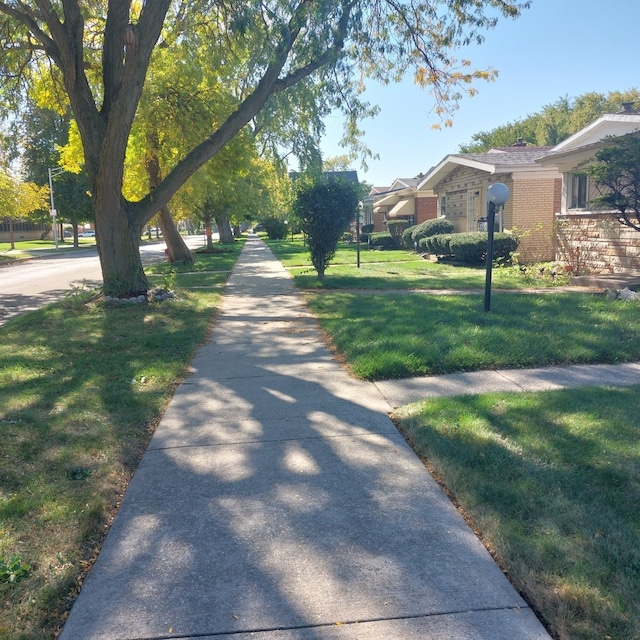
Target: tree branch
column 269, row 84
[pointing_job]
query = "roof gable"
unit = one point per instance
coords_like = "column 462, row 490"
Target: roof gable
column 509, row 160
column 611, row 124
column 582, row 145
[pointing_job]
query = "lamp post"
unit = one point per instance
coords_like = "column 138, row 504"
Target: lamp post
column 497, row 195
column 54, row 172
column 358, row 214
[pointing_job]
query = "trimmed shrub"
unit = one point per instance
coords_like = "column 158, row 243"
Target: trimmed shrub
column 437, row 245
column 407, row 237
column 470, row 248
column 504, row 245
column 324, row 210
column 434, row 227
column 382, row 240
column 395, row 228
column 367, row 228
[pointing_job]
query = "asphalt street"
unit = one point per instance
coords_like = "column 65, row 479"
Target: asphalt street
column 31, row 284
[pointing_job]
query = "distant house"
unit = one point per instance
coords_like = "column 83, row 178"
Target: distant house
column 12, row 230
column 402, row 200
column 348, row 176
column 592, row 238
column 460, row 183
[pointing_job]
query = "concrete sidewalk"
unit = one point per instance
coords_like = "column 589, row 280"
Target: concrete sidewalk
column 277, row 501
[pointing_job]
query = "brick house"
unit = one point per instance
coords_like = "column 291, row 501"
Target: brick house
column 460, row 182
column 402, row 200
column 592, row 240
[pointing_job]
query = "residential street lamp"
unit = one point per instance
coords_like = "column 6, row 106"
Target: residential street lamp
column 358, row 215
column 497, row 195
column 54, row 172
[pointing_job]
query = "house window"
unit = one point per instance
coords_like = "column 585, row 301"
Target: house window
column 443, row 206
column 579, row 189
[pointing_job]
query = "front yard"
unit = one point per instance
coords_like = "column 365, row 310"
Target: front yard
column 550, row 481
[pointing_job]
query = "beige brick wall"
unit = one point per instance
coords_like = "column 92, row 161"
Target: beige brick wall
column 529, row 211
column 534, row 203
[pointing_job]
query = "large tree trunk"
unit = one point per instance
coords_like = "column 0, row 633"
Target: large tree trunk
column 118, row 240
column 177, row 250
column 176, row 247
column 225, row 231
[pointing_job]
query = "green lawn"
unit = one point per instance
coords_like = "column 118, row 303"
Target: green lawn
column 401, row 269
column 552, row 483
column 82, row 385
column 398, row 335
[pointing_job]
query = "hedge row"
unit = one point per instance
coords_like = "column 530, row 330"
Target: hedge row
column 382, row 240
column 411, row 237
column 470, row 248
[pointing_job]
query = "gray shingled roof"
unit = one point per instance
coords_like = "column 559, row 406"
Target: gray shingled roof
column 512, row 156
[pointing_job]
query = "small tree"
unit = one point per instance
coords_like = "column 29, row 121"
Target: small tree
column 325, row 210
column 275, row 227
column 615, row 172
column 19, row 199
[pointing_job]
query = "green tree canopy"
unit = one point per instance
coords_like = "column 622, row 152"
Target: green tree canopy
column 324, row 210
column 554, row 123
column 615, row 172
column 101, row 52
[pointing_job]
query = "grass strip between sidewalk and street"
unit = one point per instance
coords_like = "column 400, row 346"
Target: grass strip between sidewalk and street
column 83, row 384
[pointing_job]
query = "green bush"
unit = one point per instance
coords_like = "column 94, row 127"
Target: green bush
column 434, row 227
column 504, row 244
column 367, row 228
column 470, row 248
column 396, row 228
column 324, row 210
column 382, row 240
column 275, row 228
column 407, row 237
column 437, row 245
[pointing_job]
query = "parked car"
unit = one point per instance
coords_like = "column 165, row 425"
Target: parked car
column 87, row 234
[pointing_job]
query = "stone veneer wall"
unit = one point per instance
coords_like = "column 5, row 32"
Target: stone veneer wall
column 596, row 243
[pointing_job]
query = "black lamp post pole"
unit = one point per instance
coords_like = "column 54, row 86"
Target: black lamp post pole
column 491, row 218
column 358, row 212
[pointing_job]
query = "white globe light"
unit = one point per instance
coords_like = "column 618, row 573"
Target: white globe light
column 498, row 193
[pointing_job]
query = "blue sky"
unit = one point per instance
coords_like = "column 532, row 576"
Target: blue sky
column 556, row 48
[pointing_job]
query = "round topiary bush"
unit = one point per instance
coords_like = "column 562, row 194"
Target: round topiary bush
column 434, row 227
